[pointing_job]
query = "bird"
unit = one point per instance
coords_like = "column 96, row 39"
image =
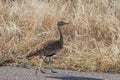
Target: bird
column 50, row 48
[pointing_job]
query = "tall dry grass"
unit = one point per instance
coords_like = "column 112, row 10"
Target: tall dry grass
column 91, row 41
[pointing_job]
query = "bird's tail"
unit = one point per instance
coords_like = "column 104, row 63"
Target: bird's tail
column 32, row 53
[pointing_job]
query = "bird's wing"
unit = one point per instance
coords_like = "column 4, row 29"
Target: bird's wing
column 48, row 48
column 51, row 45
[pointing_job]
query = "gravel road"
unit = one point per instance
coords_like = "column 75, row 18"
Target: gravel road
column 7, row 73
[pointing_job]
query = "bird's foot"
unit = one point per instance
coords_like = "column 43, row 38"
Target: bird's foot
column 37, row 71
column 42, row 71
column 53, row 71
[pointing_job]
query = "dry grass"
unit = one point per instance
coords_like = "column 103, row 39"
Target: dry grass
column 92, row 40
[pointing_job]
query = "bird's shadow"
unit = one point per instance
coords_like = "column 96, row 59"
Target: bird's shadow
column 69, row 77
column 73, row 78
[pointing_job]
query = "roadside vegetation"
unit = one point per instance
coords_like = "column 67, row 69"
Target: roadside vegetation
column 91, row 41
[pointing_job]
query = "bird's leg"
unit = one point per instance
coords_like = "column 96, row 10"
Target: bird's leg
column 41, row 66
column 50, row 67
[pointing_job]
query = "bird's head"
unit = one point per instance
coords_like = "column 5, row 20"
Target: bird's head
column 61, row 23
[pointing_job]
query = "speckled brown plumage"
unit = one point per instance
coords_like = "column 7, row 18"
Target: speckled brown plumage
column 49, row 48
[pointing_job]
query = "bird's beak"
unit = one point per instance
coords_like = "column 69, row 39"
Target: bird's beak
column 66, row 23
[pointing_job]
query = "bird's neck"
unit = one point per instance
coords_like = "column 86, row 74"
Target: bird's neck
column 61, row 36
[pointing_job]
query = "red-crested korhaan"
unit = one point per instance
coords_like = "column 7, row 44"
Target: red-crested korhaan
column 50, row 48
